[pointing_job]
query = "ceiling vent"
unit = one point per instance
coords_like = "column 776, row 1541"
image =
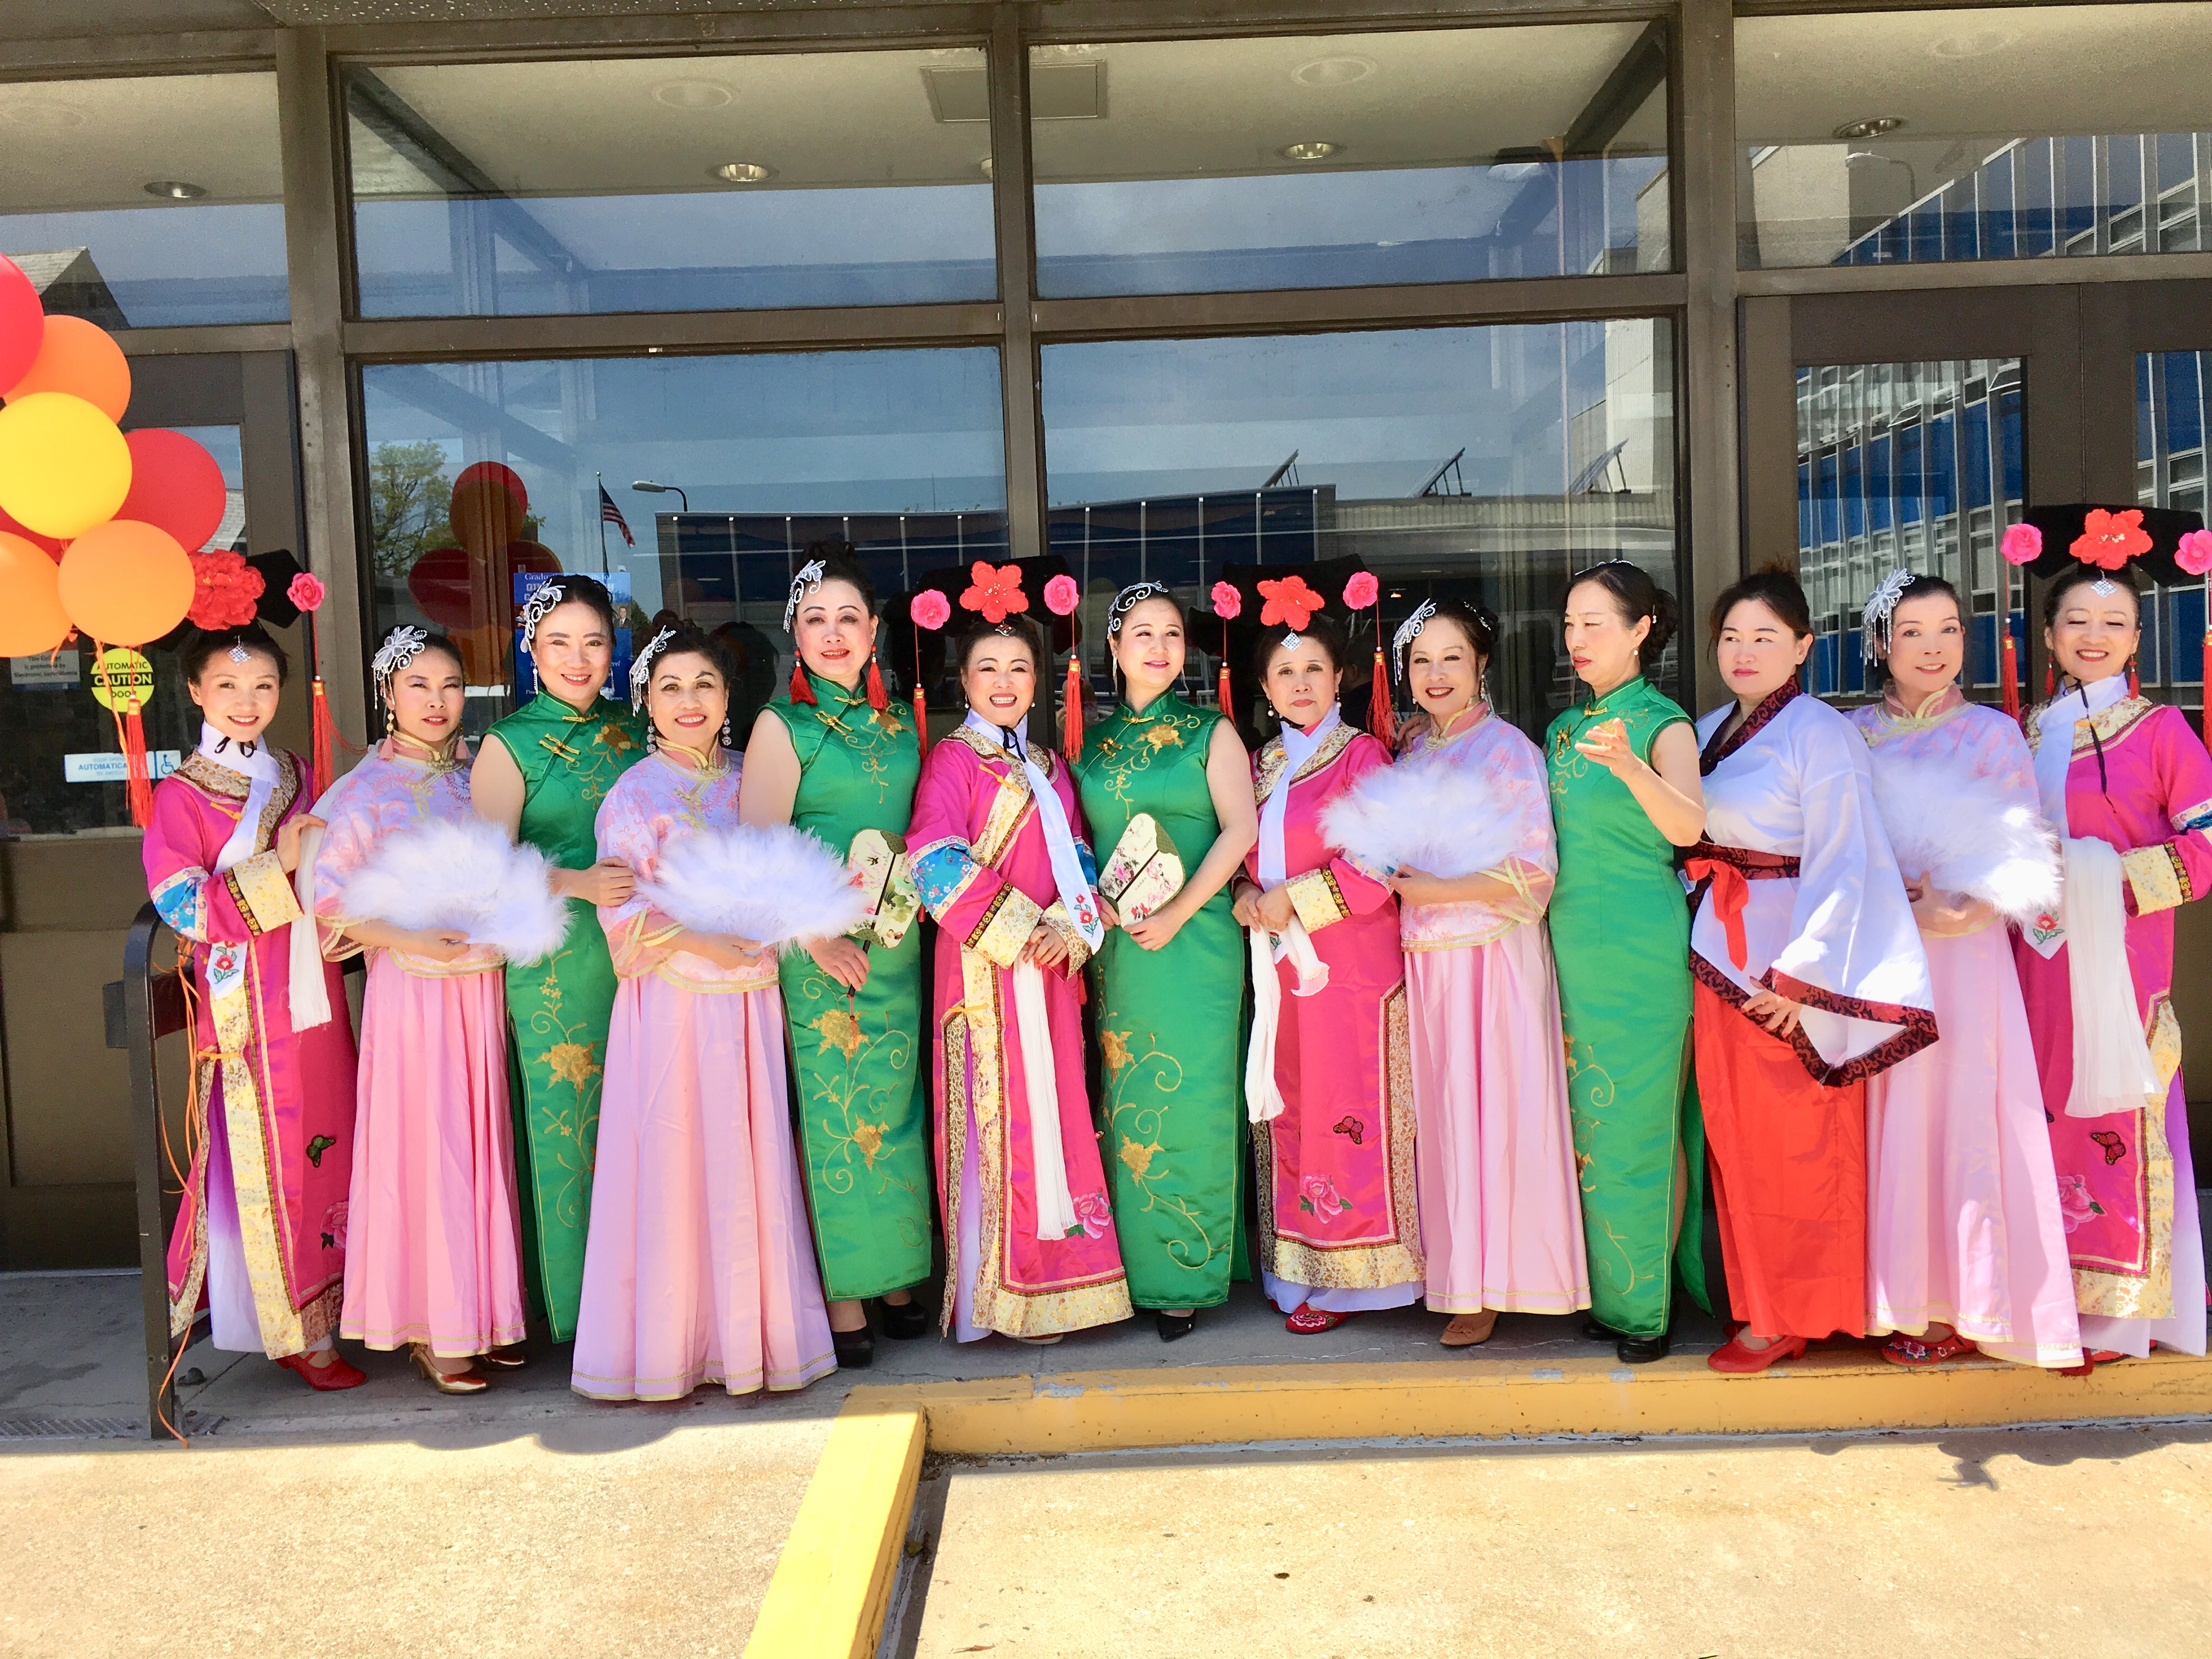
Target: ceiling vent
column 1058, row 92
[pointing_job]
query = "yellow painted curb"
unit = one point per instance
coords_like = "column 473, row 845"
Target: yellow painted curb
column 833, row 1582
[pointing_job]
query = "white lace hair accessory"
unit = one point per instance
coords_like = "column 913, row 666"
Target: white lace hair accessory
column 401, row 646
column 1408, row 631
column 1873, row 621
column 641, row 671
column 1128, row 600
column 537, row 608
column 808, row 579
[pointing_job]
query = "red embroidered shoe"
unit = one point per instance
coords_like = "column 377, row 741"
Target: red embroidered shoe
column 1306, row 1320
column 1737, row 1361
column 326, row 1378
column 1913, row 1351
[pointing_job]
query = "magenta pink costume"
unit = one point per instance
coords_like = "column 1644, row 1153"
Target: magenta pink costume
column 1500, row 1203
column 1339, row 1229
column 2136, row 776
column 980, row 858
column 433, row 1252
column 1962, row 1211
column 699, row 1264
column 261, row 1225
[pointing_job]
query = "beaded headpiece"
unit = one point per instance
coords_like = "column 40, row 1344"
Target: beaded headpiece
column 1880, row 604
column 641, row 671
column 238, row 653
column 1408, row 631
column 808, row 579
column 539, row 606
column 401, row 646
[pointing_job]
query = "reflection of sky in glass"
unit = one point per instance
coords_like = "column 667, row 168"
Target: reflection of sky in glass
column 168, row 266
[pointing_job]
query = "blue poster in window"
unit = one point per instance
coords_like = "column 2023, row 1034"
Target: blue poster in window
column 616, row 583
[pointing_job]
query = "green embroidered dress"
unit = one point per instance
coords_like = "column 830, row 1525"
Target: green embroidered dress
column 1169, row 1022
column 558, row 1010
column 863, row 1113
column 1620, row 937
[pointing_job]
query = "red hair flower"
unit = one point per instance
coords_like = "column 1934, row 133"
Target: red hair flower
column 1289, row 602
column 930, row 609
column 1362, row 590
column 1228, row 603
column 2109, row 540
column 1062, row 595
column 995, row 592
column 306, row 593
column 2194, row 555
column 226, row 590
column 2022, row 544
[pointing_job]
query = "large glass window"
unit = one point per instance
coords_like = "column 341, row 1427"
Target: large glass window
column 1483, row 462
column 2171, row 388
column 1917, row 464
column 692, row 184
column 751, row 458
column 1905, row 138
column 150, row 202
column 1335, row 161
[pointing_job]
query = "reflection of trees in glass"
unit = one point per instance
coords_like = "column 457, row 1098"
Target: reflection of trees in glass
column 409, row 498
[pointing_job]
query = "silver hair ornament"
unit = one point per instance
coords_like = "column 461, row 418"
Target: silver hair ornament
column 1128, row 600
column 401, row 646
column 537, row 608
column 1290, row 641
column 641, row 670
column 1408, row 631
column 2103, row 588
column 238, row 653
column 1874, row 620
column 808, row 579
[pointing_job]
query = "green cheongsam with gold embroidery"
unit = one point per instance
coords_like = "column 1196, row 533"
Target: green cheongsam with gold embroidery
column 558, row 1010
column 864, row 1115
column 1620, row 938
column 1169, row 1022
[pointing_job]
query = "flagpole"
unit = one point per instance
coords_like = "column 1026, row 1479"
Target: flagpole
column 599, row 510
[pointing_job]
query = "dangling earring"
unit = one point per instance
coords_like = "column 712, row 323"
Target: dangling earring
column 800, row 690
column 728, row 742
column 2050, row 679
column 2134, row 689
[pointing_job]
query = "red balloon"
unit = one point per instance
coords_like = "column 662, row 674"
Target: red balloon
column 477, row 473
column 22, row 323
column 439, row 581
column 53, row 545
column 530, row 556
column 174, row 484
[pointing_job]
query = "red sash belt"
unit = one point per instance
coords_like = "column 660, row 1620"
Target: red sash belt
column 1729, row 869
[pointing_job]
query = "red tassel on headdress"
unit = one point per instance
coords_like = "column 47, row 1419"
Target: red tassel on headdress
column 1221, row 692
column 1071, row 718
column 921, row 719
column 878, row 699
column 2009, row 674
column 800, row 690
column 1379, row 719
column 138, row 781
column 2205, row 672
column 325, row 730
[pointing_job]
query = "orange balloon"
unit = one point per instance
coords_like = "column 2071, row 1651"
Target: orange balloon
column 81, row 358
column 32, row 619
column 125, row 583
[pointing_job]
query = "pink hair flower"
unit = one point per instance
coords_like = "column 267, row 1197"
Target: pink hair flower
column 2195, row 553
column 1228, row 603
column 930, row 609
column 1062, row 595
column 2022, row 544
column 306, row 593
column 1362, row 590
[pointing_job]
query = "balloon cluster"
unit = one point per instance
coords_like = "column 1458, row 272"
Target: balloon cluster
column 469, row 590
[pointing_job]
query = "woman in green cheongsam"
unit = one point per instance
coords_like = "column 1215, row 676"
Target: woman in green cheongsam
column 835, row 757
column 1172, row 987
column 1624, row 795
column 541, row 774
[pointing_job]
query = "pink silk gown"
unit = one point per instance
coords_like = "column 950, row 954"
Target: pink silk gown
column 979, row 859
column 433, row 1252
column 1339, row 1227
column 1494, row 1157
column 1962, row 1205
column 699, row 1264
column 2139, row 779
column 271, row 1112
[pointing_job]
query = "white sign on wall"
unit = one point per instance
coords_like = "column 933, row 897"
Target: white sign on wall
column 104, row 767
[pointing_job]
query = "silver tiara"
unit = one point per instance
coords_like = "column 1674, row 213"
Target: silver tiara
column 537, row 608
column 1128, row 600
column 1408, row 631
column 1873, row 621
column 808, row 579
column 641, row 670
column 401, row 646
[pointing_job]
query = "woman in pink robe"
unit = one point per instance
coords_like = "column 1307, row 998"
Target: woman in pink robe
column 1965, row 1247
column 2113, row 768
column 1333, row 1117
column 699, row 1264
column 434, row 1261
column 261, row 1226
column 999, row 855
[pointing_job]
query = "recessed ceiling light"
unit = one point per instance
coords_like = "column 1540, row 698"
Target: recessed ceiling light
column 692, row 94
column 983, row 166
column 1333, row 72
column 1312, row 149
column 1976, row 42
column 176, row 189
column 1873, row 127
column 741, row 172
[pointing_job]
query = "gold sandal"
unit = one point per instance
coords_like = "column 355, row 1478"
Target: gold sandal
column 467, row 1382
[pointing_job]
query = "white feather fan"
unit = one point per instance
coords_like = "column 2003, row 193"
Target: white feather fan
column 462, row 874
column 1421, row 814
column 770, row 883
column 1968, row 835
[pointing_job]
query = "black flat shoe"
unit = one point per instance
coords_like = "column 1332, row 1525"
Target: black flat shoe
column 1641, row 1350
column 1174, row 1326
column 1596, row 1330
column 856, row 1350
column 903, row 1320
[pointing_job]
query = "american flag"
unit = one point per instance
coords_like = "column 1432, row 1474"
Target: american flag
column 610, row 514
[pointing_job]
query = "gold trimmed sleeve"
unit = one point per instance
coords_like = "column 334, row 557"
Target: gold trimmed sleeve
column 1316, row 899
column 263, row 892
column 2157, row 876
column 1079, row 950
column 1008, row 921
